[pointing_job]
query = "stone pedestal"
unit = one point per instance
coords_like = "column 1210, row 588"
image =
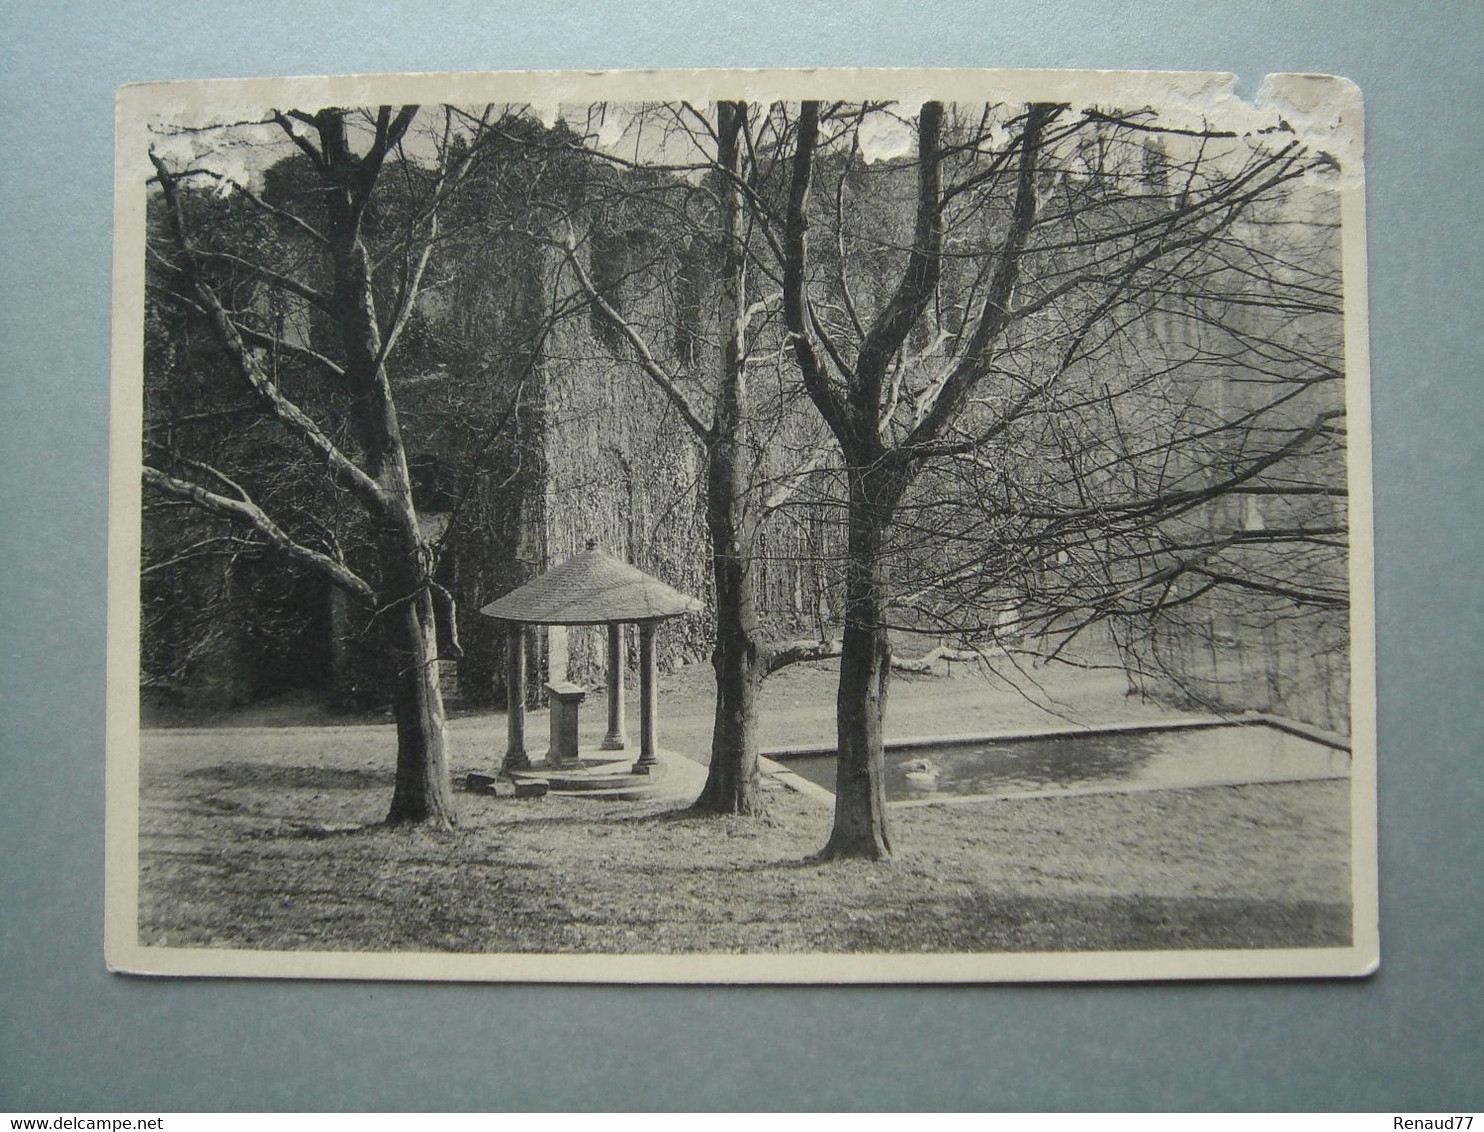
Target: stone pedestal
column 564, row 701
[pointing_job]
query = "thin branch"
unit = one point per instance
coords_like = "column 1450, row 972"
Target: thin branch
column 342, row 469
column 286, row 122
column 996, row 309
column 646, row 358
column 249, row 514
column 919, row 280
column 800, row 652
column 796, row 314
column 792, row 481
column 267, row 274
column 271, row 209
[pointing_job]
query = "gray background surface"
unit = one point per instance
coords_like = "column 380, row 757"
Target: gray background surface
column 73, row 1037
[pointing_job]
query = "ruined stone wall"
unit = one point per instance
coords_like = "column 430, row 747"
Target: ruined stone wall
column 625, row 471
column 1250, row 649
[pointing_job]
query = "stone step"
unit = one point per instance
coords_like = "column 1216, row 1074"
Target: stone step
column 599, row 778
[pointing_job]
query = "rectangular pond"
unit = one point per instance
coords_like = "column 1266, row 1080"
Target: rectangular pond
column 1094, row 762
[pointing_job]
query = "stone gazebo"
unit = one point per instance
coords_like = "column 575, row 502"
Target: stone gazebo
column 592, row 588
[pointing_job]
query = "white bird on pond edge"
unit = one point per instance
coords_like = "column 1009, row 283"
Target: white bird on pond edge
column 921, row 772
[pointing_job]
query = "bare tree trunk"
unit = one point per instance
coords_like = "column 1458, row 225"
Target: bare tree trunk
column 739, row 656
column 733, row 780
column 422, row 793
column 860, row 828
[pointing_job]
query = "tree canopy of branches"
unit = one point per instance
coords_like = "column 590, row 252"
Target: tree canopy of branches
column 1014, row 411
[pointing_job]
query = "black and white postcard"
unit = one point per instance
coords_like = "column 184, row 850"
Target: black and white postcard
column 722, row 526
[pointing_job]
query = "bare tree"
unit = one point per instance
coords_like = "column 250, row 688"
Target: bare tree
column 713, row 394
column 353, row 261
column 1014, row 347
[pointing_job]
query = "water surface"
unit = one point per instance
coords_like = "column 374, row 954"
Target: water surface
column 1165, row 759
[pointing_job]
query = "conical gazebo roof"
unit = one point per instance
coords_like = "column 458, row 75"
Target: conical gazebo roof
column 591, row 589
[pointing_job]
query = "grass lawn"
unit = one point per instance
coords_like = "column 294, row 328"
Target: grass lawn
column 262, row 836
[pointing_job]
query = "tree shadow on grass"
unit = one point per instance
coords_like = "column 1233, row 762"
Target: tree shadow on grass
column 599, row 817
column 270, row 775
column 1015, row 923
column 316, row 831
column 779, row 863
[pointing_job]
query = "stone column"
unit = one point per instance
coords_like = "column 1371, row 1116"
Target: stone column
column 648, row 700
column 615, row 740
column 515, row 698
